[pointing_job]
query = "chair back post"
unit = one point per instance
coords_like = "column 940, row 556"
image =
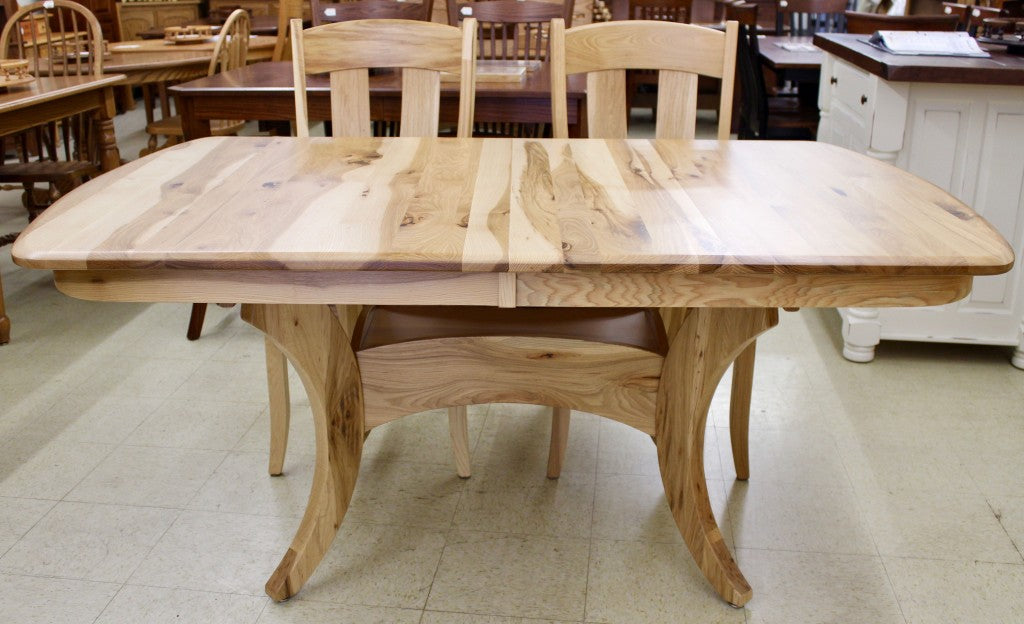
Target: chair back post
column 422, row 50
column 299, row 79
column 287, row 10
column 79, row 45
column 232, row 46
column 559, row 90
column 467, row 80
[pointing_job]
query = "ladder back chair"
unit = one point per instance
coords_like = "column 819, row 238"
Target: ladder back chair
column 230, row 52
column 806, row 17
column 331, row 12
column 57, row 37
column 867, row 23
column 347, row 50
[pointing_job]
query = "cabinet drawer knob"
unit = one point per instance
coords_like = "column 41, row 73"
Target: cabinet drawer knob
column 834, row 80
column 863, row 99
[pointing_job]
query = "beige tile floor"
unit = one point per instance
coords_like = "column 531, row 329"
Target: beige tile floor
column 133, row 488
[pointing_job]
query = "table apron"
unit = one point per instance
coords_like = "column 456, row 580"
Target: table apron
column 53, row 110
column 504, row 289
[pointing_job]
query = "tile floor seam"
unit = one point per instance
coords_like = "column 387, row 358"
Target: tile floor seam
column 593, row 517
column 451, row 521
column 29, row 530
column 109, row 602
column 999, row 519
column 149, row 552
column 110, row 451
column 892, row 587
column 199, row 489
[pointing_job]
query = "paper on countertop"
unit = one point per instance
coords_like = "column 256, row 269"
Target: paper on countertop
column 797, row 47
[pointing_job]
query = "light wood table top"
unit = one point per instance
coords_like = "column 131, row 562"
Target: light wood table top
column 303, row 231
column 515, row 205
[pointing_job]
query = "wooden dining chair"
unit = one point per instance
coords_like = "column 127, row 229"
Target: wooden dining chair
column 806, row 17
column 867, row 23
column 56, row 37
column 347, row 51
column 763, row 116
column 511, row 30
column 331, row 12
column 680, row 53
column 230, row 51
column 287, row 10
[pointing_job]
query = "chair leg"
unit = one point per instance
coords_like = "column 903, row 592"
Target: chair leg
column 5, row 323
column 739, row 410
column 280, row 406
column 559, row 440
column 195, row 321
column 458, row 428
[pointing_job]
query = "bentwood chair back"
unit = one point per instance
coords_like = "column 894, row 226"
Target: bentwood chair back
column 806, row 17
column 867, row 23
column 229, row 53
column 679, row 52
column 330, row 12
column 57, row 36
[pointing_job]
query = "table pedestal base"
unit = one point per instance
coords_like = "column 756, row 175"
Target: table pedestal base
column 703, row 343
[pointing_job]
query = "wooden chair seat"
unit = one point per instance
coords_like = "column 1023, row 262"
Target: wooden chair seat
column 171, row 127
column 628, row 327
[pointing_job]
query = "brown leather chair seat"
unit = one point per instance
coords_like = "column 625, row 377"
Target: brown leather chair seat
column 632, row 327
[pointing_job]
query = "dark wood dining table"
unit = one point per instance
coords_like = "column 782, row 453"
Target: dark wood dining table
column 51, row 98
column 803, row 65
column 265, row 91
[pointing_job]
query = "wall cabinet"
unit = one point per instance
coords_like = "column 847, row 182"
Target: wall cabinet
column 135, row 17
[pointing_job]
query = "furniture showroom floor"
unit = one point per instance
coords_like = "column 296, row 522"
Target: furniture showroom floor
column 133, row 487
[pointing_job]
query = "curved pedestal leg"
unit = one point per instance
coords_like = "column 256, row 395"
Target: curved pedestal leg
column 703, row 343
column 739, row 410
column 315, row 339
column 280, row 406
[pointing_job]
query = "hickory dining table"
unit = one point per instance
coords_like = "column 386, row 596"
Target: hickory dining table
column 717, row 235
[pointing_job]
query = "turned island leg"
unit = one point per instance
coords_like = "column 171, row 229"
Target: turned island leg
column 315, row 338
column 703, row 342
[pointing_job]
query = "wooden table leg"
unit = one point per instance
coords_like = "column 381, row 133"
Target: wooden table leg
column 703, row 342
column 315, row 338
column 5, row 323
column 110, row 157
column 191, row 127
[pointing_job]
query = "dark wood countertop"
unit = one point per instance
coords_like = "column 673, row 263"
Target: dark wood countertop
column 1001, row 69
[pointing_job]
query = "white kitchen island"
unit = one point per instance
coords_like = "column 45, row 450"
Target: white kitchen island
column 958, row 123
